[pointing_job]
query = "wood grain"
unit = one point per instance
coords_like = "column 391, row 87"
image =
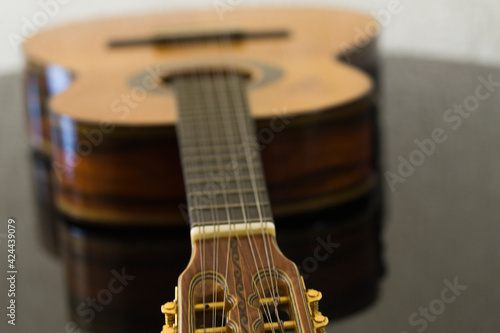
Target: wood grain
column 244, row 282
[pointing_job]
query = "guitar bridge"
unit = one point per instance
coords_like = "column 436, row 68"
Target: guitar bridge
column 198, row 37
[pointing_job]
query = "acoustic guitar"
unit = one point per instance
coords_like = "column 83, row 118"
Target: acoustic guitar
column 230, row 114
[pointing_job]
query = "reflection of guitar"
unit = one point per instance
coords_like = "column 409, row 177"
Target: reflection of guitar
column 115, row 153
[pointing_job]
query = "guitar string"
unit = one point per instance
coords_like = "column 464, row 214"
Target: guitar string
column 182, row 137
column 204, row 91
column 226, row 202
column 244, row 136
column 211, row 122
column 266, row 236
column 267, row 310
column 216, row 235
column 202, row 248
column 192, row 202
column 214, row 211
column 261, row 214
column 238, row 96
column 219, row 81
column 197, row 90
column 211, row 110
column 213, row 310
column 228, row 128
column 216, row 248
column 248, row 152
column 228, row 251
column 226, row 205
column 227, row 92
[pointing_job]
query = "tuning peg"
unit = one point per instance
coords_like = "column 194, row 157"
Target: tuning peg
column 170, row 311
column 313, row 298
column 319, row 321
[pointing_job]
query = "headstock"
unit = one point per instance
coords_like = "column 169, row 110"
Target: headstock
column 242, row 284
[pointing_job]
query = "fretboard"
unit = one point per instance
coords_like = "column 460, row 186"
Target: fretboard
column 221, row 162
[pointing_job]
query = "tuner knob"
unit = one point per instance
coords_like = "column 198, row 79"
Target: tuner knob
column 313, row 297
column 170, row 311
column 319, row 321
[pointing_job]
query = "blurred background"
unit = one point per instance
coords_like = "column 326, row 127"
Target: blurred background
column 444, row 29
column 441, row 219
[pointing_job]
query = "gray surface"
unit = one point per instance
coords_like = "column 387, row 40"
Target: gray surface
column 40, row 294
column 442, row 222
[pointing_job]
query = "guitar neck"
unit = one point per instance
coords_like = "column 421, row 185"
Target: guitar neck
column 222, row 168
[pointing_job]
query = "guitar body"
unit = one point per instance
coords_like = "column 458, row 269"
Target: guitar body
column 124, row 152
column 102, row 116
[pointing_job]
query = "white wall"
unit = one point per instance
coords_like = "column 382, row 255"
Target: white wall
column 462, row 30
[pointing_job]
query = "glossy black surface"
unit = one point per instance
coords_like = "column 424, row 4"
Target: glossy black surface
column 441, row 224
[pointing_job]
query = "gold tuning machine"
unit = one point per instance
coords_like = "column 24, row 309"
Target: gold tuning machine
column 318, row 320
column 170, row 311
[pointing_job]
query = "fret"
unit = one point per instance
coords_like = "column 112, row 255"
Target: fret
column 222, row 132
column 235, row 205
column 231, row 181
column 187, row 159
column 227, row 192
column 221, row 165
column 229, row 184
column 241, row 213
column 191, row 181
column 217, row 140
column 233, row 172
column 228, row 197
column 237, row 176
column 226, row 148
column 234, row 221
column 217, row 168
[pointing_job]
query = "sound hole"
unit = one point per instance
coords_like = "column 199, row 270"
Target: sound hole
column 220, row 71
